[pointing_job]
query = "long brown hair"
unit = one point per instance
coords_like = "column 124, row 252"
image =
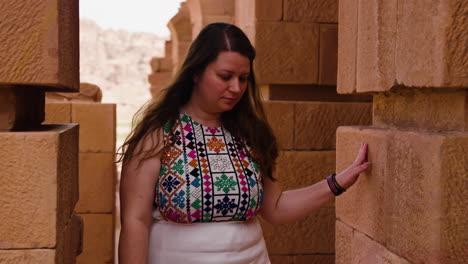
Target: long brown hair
column 246, row 120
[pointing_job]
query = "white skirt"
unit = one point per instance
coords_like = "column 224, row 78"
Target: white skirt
column 207, row 243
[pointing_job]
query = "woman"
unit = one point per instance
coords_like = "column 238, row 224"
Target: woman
column 198, row 167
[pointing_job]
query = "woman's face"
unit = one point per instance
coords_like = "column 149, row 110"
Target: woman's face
column 220, row 87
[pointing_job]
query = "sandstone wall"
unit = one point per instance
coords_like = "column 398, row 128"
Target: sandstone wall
column 97, row 173
column 410, row 206
column 39, row 163
column 161, row 70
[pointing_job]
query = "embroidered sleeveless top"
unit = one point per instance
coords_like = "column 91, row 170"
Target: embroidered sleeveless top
column 205, row 176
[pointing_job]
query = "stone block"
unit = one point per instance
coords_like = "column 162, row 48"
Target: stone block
column 21, row 108
column 97, row 126
column 314, row 259
column 328, row 53
column 298, row 169
column 376, row 39
column 39, row 185
column 355, row 247
column 268, row 10
column 168, row 48
column 161, row 64
column 40, row 44
column 58, row 113
column 165, row 64
column 312, row 234
column 432, row 52
column 425, row 183
column 31, row 256
column 422, row 109
column 318, row 11
column 98, row 239
column 181, row 34
column 321, row 93
column 281, row 118
column 155, row 64
column 159, row 81
column 287, row 53
column 343, row 243
column 347, row 46
column 216, row 7
column 71, row 241
column 245, row 19
column 361, row 205
column 97, row 183
column 315, row 123
column 88, row 93
column 379, row 41
column 410, row 201
column 160, row 78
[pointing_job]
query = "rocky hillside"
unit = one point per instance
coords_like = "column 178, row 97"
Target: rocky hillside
column 118, row 62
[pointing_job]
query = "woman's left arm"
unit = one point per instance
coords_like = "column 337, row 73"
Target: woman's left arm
column 282, row 207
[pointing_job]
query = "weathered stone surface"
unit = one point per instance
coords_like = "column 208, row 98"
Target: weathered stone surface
column 159, row 64
column 21, row 107
column 88, row 93
column 31, row 256
column 376, row 39
column 281, row 118
column 165, row 64
column 355, row 247
column 343, row 243
column 415, row 159
column 454, row 158
column 422, row 109
column 321, row 93
column 433, row 51
column 98, row 239
column 287, row 53
column 70, row 242
column 268, row 10
column 204, row 12
column 297, row 169
column 39, row 43
column 312, row 234
column 97, row 126
column 39, row 170
column 315, row 259
column 410, row 200
column 159, row 81
column 58, row 113
column 97, row 183
column 328, row 53
column 430, row 53
column 322, row 11
column 244, row 18
column 315, row 123
column 347, row 46
column 168, row 49
column 361, row 205
column 155, row 64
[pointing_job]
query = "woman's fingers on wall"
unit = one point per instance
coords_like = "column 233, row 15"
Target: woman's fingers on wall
column 361, row 155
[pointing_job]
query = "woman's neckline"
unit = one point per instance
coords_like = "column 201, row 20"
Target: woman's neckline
column 183, row 112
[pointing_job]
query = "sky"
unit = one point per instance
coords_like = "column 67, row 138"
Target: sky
column 132, row 15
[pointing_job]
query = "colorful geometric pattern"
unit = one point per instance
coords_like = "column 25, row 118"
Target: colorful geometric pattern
column 206, row 176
